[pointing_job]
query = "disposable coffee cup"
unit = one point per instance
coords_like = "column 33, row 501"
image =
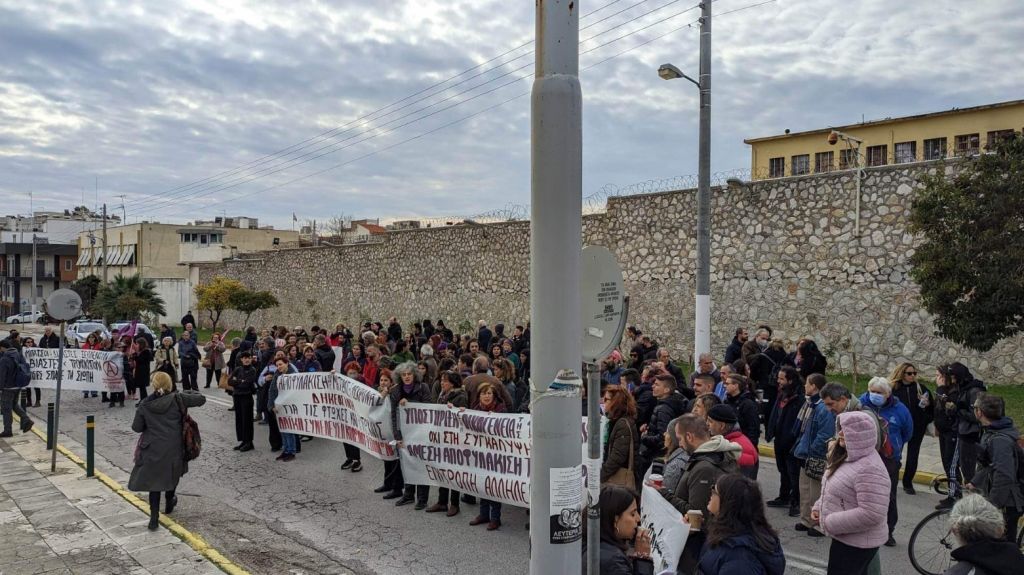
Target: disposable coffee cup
column 696, row 518
column 657, row 480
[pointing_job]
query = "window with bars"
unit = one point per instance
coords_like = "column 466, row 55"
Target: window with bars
column 966, row 144
column 67, row 264
column 878, row 155
column 935, row 149
column 776, row 167
column 800, row 165
column 993, row 138
column 847, row 159
column 823, row 162
column 905, row 152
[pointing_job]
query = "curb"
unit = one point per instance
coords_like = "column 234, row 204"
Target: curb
column 921, row 477
column 194, row 541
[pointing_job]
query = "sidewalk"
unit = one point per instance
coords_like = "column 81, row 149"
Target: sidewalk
column 66, row 523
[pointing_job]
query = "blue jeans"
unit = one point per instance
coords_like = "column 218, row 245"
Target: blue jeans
column 289, row 442
column 490, row 510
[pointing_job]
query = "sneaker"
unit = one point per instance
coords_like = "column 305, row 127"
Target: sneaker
column 891, row 542
column 453, row 510
column 478, row 520
column 812, row 532
column 493, row 525
column 288, row 457
column 403, row 501
column 357, row 466
column 946, row 503
column 238, row 447
column 305, row 438
column 348, row 463
column 801, row 527
column 778, row 502
column 26, row 425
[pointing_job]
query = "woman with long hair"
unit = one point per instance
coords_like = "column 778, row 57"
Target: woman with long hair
column 506, row 373
column 488, row 399
column 623, row 541
column 93, row 341
column 919, row 400
column 159, row 460
column 784, row 429
column 739, row 538
column 620, row 450
column 854, row 500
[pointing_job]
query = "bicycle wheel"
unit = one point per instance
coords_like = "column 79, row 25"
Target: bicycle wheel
column 940, row 485
column 931, row 544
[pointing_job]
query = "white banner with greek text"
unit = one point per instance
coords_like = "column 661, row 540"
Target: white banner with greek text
column 668, row 532
column 332, row 406
column 84, row 369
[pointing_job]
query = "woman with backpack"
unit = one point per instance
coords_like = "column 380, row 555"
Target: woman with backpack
column 160, row 452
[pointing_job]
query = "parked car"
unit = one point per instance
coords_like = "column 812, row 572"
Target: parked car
column 78, row 331
column 140, row 328
column 25, row 317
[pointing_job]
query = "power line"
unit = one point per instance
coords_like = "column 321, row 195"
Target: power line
column 327, row 133
column 331, row 148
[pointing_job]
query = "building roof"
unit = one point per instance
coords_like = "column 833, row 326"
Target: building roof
column 885, row 121
column 374, row 228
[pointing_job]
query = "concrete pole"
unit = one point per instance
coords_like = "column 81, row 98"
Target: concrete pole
column 33, row 263
column 702, row 319
column 104, row 244
column 555, row 246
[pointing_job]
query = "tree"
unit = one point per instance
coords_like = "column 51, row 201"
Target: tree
column 249, row 302
column 87, row 288
column 337, row 225
column 128, row 297
column 970, row 264
column 216, row 296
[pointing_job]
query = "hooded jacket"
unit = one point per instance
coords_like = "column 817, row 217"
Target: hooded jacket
column 967, row 424
column 897, row 416
column 987, row 558
column 748, row 457
column 855, row 496
column 665, row 411
column 997, row 473
column 740, row 555
column 716, row 457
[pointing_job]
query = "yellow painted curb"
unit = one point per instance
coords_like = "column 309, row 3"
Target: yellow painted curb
column 921, row 477
column 191, row 539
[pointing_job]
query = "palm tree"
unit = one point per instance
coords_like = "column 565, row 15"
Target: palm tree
column 128, row 297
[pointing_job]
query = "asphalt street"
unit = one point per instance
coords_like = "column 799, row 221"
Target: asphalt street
column 307, row 516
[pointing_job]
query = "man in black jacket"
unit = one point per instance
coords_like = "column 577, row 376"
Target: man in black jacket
column 188, row 318
column 671, row 404
column 484, row 336
column 9, row 391
column 243, row 385
column 324, row 353
column 734, row 351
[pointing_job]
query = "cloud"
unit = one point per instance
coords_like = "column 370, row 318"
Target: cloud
column 177, row 105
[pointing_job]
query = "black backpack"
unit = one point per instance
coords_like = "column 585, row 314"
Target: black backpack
column 23, row 374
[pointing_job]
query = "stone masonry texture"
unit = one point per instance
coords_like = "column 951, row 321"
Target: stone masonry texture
column 784, row 252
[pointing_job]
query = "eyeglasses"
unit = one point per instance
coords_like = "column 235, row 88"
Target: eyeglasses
column 910, row 373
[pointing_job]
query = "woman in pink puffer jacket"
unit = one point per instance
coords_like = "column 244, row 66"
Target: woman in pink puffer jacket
column 854, row 496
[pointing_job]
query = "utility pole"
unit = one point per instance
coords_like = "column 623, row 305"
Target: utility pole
column 104, row 244
column 33, row 299
column 555, row 244
column 702, row 323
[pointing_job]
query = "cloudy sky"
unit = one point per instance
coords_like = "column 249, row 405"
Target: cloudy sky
column 195, row 108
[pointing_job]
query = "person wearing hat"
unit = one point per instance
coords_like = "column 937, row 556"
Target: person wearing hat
column 722, row 420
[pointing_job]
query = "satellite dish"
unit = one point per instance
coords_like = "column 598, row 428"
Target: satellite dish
column 64, row 305
column 602, row 305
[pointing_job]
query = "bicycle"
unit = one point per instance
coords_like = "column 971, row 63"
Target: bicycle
column 931, row 543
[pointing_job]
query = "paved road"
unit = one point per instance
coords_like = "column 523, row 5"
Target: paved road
column 307, row 516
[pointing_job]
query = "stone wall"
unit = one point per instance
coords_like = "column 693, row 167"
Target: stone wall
column 784, row 253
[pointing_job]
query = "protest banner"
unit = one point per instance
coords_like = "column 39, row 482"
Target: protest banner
column 333, row 406
column 84, row 369
column 476, row 452
column 668, row 532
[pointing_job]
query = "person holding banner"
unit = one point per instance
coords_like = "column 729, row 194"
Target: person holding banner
column 159, row 457
column 92, row 341
column 489, row 400
column 289, row 441
column 620, row 525
column 353, row 457
column 453, row 396
column 739, row 537
column 408, row 390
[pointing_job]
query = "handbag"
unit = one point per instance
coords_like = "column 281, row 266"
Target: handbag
column 223, row 383
column 815, row 468
column 207, row 364
column 191, row 442
column 625, row 476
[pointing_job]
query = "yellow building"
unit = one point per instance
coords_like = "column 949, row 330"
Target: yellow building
column 952, row 133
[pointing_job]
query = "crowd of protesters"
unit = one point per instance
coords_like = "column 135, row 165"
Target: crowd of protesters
column 838, row 456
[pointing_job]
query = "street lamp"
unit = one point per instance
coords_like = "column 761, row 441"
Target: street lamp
column 702, row 303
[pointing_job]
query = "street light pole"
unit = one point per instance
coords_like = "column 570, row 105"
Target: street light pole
column 702, row 319
column 555, row 245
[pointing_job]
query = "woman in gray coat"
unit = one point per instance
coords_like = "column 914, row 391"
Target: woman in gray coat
column 159, row 455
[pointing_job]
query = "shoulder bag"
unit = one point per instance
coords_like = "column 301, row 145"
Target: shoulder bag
column 625, row 475
column 191, row 442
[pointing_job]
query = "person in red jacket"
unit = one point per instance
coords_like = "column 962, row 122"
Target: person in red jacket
column 722, row 420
